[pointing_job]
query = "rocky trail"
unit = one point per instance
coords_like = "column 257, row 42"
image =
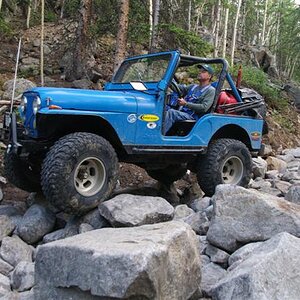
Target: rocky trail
column 239, row 244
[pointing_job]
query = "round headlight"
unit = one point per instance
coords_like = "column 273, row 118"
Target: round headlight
column 23, row 104
column 36, row 104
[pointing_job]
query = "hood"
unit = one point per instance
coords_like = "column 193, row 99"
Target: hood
column 88, row 100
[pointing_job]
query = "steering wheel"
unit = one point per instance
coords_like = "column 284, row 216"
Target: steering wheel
column 174, row 87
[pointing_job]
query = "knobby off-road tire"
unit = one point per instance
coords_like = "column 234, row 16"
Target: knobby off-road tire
column 226, row 161
column 79, row 172
column 168, row 174
column 20, row 173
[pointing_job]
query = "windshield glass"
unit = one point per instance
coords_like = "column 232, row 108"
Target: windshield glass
column 147, row 69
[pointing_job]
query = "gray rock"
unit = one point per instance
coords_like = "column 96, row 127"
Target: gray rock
column 286, row 157
column 28, row 295
column 295, row 152
column 289, row 176
column 273, row 174
column 5, row 268
column 259, row 167
column 13, row 250
column 7, row 226
column 255, row 278
column 22, row 278
column 259, row 183
column 200, row 204
column 84, row 227
column 242, row 216
column 95, row 219
column 282, row 186
column 293, row 194
column 4, row 285
column 21, row 86
column 271, row 191
column 182, row 211
column 145, row 262
column 82, row 84
column 293, row 165
column 37, row 222
column 131, row 210
column 59, row 234
column 205, row 260
column 199, row 222
column 1, row 194
column 209, row 211
column 211, row 274
column 217, row 255
column 241, row 254
column 202, row 243
column 10, row 211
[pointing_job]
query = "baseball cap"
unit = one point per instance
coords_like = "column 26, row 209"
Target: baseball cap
column 207, row 68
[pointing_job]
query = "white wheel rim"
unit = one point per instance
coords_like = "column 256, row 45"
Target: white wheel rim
column 89, row 176
column 232, row 170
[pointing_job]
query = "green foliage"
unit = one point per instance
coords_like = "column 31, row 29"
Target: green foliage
column 257, row 79
column 5, row 28
column 71, row 8
column 175, row 37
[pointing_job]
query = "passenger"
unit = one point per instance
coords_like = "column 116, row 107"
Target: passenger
column 197, row 99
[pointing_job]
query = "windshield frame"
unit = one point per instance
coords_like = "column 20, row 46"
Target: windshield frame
column 139, row 64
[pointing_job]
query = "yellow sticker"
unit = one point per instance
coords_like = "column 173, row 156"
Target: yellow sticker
column 149, row 118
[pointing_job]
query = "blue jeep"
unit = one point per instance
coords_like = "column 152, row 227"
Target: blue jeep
column 71, row 140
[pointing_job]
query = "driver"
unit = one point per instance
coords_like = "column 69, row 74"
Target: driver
column 197, row 99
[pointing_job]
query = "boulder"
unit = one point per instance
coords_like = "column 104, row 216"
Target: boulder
column 259, row 167
column 199, row 222
column 271, row 271
column 200, row 204
column 217, row 256
column 131, row 210
column 4, row 285
column 293, row 194
column 36, row 222
column 5, row 268
column 282, row 186
column 158, row 261
column 13, row 250
column 295, row 152
column 22, row 85
column 276, row 164
column 211, row 274
column 59, row 234
column 202, row 243
column 7, row 226
column 182, row 211
column 22, row 278
column 242, row 216
column 94, row 219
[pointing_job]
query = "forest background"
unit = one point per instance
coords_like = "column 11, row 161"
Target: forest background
column 234, row 29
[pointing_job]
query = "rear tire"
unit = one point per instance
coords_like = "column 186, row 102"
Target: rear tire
column 20, row 173
column 227, row 161
column 79, row 172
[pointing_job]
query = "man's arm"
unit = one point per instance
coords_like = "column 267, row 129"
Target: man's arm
column 204, row 102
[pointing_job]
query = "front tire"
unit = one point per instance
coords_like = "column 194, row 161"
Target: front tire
column 227, row 161
column 21, row 174
column 79, row 172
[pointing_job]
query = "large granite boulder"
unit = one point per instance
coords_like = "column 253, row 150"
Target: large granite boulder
column 160, row 261
column 242, row 216
column 271, row 271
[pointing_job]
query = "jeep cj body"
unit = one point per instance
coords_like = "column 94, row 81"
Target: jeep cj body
column 71, row 140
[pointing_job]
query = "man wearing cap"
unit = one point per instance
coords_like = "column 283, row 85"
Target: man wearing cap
column 197, row 99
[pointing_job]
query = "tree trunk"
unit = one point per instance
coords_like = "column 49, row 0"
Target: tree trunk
column 42, row 41
column 216, row 43
column 150, row 22
column 154, row 38
column 189, row 15
column 277, row 31
column 79, row 59
column 28, row 14
column 225, row 32
column 122, row 33
column 264, row 23
column 234, row 31
column 0, row 4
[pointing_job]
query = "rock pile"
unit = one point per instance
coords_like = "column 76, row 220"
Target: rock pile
column 239, row 244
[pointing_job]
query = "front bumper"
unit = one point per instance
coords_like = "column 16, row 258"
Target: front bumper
column 17, row 142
